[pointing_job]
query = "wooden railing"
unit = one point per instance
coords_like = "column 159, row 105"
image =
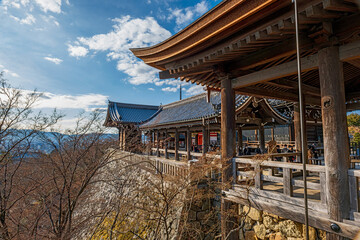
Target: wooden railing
column 247, row 168
column 184, row 153
column 160, row 165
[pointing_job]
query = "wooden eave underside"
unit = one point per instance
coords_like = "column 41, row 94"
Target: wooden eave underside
column 269, row 46
column 222, row 21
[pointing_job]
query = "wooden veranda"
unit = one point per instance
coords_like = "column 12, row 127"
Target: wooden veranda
column 248, row 47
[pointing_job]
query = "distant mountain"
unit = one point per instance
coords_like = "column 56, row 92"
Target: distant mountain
column 38, row 141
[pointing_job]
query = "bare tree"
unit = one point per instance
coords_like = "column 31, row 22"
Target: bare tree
column 19, row 125
column 67, row 174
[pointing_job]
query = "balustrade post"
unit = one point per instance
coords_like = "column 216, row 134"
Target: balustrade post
column 258, row 181
column 354, row 194
column 188, row 144
column 323, row 190
column 176, row 145
column 287, row 181
column 166, row 145
column 157, row 143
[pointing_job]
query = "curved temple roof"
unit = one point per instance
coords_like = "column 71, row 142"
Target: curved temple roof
column 118, row 113
column 197, row 108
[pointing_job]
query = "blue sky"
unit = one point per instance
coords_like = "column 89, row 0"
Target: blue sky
column 76, row 51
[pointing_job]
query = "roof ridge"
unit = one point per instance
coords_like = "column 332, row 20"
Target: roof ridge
column 138, row 106
column 186, row 100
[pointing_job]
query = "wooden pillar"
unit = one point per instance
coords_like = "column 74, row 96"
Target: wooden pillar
column 151, row 142
column 228, row 146
column 205, row 141
column 336, row 145
column 262, row 138
column 188, row 144
column 297, row 128
column 157, row 143
column 273, row 133
column 197, row 141
column 240, row 141
column 166, row 145
column 256, row 135
column 176, row 145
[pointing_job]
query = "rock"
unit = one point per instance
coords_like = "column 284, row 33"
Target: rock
column 270, row 223
column 279, row 236
column 260, row 231
column 291, row 229
column 271, row 236
column 254, row 214
column 276, row 218
column 250, row 235
column 248, row 223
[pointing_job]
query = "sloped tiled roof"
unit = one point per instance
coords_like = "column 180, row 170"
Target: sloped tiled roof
column 130, row 113
column 193, row 108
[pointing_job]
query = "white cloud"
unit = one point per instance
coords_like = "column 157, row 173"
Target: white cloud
column 170, row 89
column 85, row 101
column 45, row 5
column 127, row 33
column 77, row 51
column 184, row 16
column 50, row 5
column 8, row 72
column 194, row 89
column 54, row 60
column 151, row 89
column 30, row 19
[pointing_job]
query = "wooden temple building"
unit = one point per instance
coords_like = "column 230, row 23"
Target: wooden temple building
column 127, row 118
column 248, row 47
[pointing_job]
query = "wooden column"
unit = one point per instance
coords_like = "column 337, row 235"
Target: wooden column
column 205, row 140
column 157, row 143
column 297, row 128
column 336, row 145
column 262, row 138
column 166, row 145
column 228, row 146
column 256, row 135
column 273, row 133
column 176, row 145
column 151, row 142
column 240, row 141
column 188, row 144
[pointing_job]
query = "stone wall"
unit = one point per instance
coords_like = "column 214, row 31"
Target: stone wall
column 262, row 225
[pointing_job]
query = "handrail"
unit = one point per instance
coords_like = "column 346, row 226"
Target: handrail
column 297, row 166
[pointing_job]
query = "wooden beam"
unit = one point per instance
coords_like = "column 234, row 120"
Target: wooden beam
column 166, row 73
column 283, row 70
column 288, row 96
column 347, row 52
column 259, row 200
